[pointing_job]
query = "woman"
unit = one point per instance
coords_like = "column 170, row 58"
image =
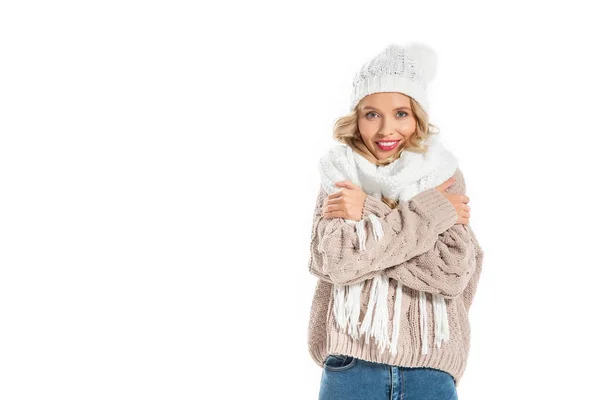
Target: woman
column 397, row 262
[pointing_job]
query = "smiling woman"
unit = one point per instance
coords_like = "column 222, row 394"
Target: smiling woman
column 385, row 117
column 397, row 262
column 384, row 121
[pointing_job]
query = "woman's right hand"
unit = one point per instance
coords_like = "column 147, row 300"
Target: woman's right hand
column 459, row 201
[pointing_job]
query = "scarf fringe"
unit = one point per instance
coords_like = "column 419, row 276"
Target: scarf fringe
column 362, row 234
column 347, row 302
column 397, row 319
column 423, row 322
column 353, row 305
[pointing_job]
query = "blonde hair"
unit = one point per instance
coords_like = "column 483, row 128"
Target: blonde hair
column 346, row 131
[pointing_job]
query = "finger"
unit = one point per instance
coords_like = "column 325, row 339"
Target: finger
column 345, row 201
column 332, row 207
column 346, row 184
column 455, row 198
column 335, row 214
column 336, row 200
column 449, row 182
column 337, row 194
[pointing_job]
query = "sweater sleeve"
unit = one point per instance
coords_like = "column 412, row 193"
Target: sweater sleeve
column 410, row 229
column 446, row 269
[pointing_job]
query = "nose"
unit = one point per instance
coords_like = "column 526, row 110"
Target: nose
column 387, row 127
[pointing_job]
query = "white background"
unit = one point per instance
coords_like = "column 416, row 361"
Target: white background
column 158, row 172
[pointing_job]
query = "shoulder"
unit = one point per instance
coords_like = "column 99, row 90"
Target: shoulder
column 458, row 175
column 334, row 152
column 459, row 185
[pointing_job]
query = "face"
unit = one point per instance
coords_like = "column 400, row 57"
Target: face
column 385, row 122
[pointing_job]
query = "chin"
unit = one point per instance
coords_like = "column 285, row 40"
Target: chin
column 382, row 155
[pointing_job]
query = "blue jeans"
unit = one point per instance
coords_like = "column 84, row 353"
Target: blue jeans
column 350, row 378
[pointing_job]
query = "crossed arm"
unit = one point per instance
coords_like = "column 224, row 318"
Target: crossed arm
column 422, row 246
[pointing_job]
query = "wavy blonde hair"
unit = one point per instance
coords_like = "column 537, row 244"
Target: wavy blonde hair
column 346, row 131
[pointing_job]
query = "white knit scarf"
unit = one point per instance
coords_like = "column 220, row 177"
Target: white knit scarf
column 400, row 180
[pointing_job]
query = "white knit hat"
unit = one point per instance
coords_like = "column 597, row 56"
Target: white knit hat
column 407, row 69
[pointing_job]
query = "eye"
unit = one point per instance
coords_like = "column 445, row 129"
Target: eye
column 402, row 112
column 367, row 114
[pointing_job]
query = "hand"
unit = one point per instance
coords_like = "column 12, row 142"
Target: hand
column 459, row 201
column 346, row 203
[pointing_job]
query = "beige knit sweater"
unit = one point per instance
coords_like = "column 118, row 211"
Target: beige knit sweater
column 424, row 249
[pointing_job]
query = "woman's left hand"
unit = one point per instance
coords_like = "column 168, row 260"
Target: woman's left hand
column 346, row 203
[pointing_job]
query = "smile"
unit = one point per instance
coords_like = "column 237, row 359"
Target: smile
column 387, row 145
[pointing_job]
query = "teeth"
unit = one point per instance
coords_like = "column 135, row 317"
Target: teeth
column 386, row 144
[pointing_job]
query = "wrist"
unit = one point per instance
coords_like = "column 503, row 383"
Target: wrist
column 438, row 208
column 373, row 205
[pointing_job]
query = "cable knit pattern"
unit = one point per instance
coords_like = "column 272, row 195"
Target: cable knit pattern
column 408, row 231
column 425, row 250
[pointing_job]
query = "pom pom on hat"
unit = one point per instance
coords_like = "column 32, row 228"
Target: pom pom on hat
column 425, row 56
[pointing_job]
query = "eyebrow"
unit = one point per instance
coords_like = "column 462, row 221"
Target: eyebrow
column 397, row 108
